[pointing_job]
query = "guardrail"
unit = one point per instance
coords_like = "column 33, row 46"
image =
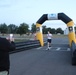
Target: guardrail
column 26, row 45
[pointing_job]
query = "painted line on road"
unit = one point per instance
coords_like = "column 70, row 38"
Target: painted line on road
column 50, row 47
column 58, row 48
column 39, row 48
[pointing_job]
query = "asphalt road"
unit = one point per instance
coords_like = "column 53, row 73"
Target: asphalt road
column 39, row 61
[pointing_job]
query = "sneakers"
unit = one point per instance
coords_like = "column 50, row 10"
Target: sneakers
column 48, row 48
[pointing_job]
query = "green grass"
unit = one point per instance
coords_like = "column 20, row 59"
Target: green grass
column 56, row 36
column 20, row 40
column 25, row 37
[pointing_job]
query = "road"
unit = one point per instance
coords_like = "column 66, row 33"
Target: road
column 39, row 61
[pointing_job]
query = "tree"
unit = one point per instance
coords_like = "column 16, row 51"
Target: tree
column 33, row 28
column 59, row 30
column 75, row 29
column 49, row 29
column 12, row 28
column 23, row 28
column 44, row 29
column 3, row 28
column 53, row 31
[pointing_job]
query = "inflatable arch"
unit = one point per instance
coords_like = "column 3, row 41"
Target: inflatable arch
column 58, row 16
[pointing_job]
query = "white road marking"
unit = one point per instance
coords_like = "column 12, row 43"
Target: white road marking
column 58, row 48
column 50, row 47
column 61, row 50
column 39, row 48
column 54, row 48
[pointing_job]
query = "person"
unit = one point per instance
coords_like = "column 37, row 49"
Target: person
column 34, row 36
column 49, row 39
column 5, row 47
column 10, row 37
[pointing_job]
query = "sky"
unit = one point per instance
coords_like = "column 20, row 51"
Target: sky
column 29, row 11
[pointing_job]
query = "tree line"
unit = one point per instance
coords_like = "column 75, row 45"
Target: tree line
column 23, row 28
column 45, row 29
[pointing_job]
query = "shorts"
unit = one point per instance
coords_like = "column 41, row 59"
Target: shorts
column 4, row 73
column 49, row 40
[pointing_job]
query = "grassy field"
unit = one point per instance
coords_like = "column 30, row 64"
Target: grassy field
column 31, row 37
column 56, row 36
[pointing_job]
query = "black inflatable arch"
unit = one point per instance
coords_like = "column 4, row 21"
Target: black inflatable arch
column 61, row 16
column 58, row 16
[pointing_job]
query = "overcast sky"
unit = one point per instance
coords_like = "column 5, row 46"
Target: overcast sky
column 29, row 11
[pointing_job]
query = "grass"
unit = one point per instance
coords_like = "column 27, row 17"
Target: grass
column 20, row 40
column 25, row 37
column 57, row 36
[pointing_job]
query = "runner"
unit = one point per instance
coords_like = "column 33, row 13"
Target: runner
column 49, row 39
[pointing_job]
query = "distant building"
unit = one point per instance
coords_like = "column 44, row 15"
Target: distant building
column 66, row 31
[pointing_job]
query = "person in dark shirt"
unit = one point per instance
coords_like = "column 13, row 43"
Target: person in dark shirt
column 5, row 47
